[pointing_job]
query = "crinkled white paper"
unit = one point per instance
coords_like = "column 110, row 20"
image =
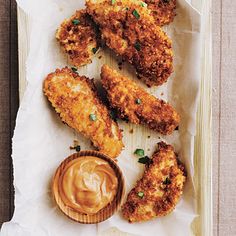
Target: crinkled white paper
column 41, row 141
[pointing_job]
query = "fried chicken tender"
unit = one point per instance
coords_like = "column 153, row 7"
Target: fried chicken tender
column 130, row 30
column 158, row 191
column 133, row 103
column 79, row 38
column 75, row 98
column 163, row 11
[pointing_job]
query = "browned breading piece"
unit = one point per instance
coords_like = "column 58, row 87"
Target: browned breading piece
column 136, row 105
column 163, row 11
column 130, row 30
column 75, row 98
column 158, row 191
column 79, row 38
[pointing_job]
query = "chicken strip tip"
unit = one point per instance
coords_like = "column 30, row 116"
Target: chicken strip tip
column 79, row 38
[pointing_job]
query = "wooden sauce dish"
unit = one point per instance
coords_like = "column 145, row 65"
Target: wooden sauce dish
column 87, row 215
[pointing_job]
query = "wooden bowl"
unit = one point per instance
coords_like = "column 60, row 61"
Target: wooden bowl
column 105, row 212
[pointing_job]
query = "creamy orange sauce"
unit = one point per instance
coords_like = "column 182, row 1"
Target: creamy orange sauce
column 87, row 184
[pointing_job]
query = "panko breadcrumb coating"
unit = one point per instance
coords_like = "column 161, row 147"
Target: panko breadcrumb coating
column 158, row 191
column 79, row 38
column 75, row 99
column 163, row 11
column 130, row 30
column 133, row 103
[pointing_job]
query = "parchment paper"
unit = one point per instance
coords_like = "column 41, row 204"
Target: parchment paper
column 41, row 141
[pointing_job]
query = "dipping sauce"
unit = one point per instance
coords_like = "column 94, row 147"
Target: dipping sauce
column 87, row 184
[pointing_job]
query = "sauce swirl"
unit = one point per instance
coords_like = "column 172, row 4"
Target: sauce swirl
column 87, row 184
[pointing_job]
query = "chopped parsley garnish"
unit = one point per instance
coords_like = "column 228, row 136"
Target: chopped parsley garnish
column 140, row 194
column 137, row 46
column 74, row 69
column 145, row 160
column 113, row 2
column 75, row 21
column 138, row 101
column 94, row 50
column 167, row 181
column 143, row 4
column 126, row 8
column 136, row 14
column 139, row 152
column 77, row 148
column 92, row 117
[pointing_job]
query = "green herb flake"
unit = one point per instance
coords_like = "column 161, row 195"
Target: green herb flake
column 77, row 148
column 140, row 194
column 167, row 181
column 143, row 4
column 92, row 117
column 138, row 101
column 113, row 2
column 113, row 114
column 136, row 14
column 74, row 69
column 126, row 8
column 139, row 152
column 144, row 160
column 137, row 46
column 166, row 1
column 75, row 21
column 94, row 50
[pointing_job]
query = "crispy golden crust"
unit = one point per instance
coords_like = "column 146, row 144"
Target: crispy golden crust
column 74, row 97
column 162, row 185
column 130, row 30
column 79, row 38
column 163, row 11
column 125, row 96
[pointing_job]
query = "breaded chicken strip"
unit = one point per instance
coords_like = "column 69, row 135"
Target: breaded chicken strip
column 163, row 11
column 79, row 38
column 159, row 190
column 75, row 99
column 129, row 29
column 136, row 105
